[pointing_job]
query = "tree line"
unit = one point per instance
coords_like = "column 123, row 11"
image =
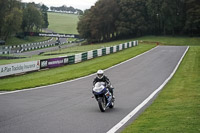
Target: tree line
column 111, row 19
column 67, row 9
column 17, row 17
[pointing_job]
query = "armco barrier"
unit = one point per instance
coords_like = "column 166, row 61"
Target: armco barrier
column 10, row 69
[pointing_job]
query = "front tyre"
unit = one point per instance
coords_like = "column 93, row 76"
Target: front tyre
column 112, row 103
column 102, row 104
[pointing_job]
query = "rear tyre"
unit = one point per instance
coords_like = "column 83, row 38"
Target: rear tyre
column 102, row 104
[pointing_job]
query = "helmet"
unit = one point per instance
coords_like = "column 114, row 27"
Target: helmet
column 100, row 74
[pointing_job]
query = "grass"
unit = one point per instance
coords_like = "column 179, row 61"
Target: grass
column 63, row 23
column 69, row 72
column 177, row 108
column 17, row 41
column 170, row 40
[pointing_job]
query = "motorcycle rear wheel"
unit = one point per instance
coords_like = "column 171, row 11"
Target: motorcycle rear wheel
column 102, row 104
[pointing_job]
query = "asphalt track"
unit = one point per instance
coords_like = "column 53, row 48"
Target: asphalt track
column 68, row 107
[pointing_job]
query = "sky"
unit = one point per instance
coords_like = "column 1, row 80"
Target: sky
column 80, row 4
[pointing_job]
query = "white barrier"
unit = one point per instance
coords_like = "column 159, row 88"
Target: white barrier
column 16, row 68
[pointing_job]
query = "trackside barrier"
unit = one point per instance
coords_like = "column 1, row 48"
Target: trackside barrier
column 13, row 69
column 25, row 47
column 97, row 53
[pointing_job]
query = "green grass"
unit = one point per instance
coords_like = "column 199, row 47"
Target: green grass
column 71, row 71
column 17, row 41
column 63, row 23
column 169, row 40
column 177, row 108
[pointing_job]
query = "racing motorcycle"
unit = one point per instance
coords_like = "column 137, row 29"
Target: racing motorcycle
column 103, row 96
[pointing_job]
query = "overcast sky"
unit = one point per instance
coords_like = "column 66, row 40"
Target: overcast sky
column 80, row 4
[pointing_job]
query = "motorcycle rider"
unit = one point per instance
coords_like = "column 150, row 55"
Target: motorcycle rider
column 102, row 78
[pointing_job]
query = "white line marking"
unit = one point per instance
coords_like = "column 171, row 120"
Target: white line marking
column 10, row 92
column 132, row 113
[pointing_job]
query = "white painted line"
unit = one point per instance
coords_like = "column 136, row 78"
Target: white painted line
column 132, row 113
column 10, row 92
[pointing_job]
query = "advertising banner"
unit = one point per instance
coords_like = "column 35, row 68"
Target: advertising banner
column 16, row 68
column 51, row 35
column 54, row 62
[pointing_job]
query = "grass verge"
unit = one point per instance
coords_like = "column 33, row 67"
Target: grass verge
column 170, row 40
column 71, row 71
column 17, row 41
column 177, row 108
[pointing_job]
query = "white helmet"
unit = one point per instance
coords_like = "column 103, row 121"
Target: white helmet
column 100, row 74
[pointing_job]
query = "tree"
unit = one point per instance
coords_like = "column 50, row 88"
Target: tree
column 11, row 18
column 3, row 5
column 32, row 19
column 192, row 23
column 128, row 18
column 97, row 24
column 44, row 10
column 132, row 17
column 13, row 21
column 84, row 25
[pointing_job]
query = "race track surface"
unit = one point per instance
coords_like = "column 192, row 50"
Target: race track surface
column 69, row 108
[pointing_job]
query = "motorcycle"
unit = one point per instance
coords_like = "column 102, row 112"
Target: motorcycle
column 103, row 96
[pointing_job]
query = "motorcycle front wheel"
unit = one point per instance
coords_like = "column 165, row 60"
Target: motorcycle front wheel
column 112, row 104
column 102, row 104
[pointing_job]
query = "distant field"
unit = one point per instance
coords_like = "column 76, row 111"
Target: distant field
column 63, row 23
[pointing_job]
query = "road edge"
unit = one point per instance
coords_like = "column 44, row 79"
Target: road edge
column 140, row 106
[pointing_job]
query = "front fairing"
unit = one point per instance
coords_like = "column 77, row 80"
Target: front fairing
column 99, row 92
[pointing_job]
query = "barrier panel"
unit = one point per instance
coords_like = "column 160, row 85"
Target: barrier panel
column 53, row 62
column 103, row 51
column 78, row 58
column 107, row 50
column 71, row 59
column 111, row 50
column 84, row 56
column 95, row 53
column 99, row 52
column 90, row 55
column 11, row 69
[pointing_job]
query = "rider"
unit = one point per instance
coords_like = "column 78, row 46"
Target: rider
column 102, row 78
